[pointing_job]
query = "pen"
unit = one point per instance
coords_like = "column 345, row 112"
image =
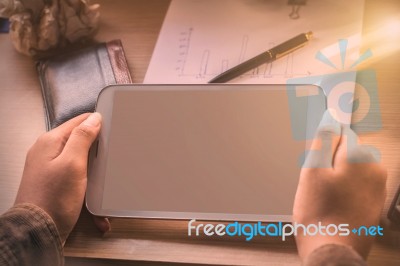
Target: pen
column 266, row 57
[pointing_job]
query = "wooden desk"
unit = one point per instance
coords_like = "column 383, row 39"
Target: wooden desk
column 137, row 23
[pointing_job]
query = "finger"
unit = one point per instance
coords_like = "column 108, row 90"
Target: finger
column 325, row 143
column 82, row 137
column 52, row 143
column 66, row 128
column 351, row 151
column 102, row 223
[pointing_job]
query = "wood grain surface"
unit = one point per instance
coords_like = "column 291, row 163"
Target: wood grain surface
column 148, row 242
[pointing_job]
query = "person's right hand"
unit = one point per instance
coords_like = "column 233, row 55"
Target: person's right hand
column 341, row 183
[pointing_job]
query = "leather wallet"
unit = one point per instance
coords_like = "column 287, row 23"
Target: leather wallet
column 72, row 82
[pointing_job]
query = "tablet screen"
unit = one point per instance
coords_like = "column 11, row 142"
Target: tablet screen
column 205, row 151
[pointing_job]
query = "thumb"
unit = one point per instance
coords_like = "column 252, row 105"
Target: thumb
column 350, row 150
column 82, row 137
column 325, row 143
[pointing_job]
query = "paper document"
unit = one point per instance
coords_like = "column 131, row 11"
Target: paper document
column 200, row 39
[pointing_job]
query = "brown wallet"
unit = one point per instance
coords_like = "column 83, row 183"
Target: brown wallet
column 72, row 82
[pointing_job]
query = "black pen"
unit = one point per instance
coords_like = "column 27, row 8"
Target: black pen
column 266, row 57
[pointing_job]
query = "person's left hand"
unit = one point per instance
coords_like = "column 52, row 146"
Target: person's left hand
column 55, row 173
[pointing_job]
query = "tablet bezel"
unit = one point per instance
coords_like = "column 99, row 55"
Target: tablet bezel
column 98, row 154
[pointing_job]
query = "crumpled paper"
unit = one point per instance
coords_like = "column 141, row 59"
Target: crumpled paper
column 37, row 26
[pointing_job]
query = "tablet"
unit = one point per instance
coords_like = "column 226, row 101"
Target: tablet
column 211, row 152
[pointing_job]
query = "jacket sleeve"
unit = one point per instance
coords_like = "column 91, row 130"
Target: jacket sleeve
column 334, row 255
column 28, row 236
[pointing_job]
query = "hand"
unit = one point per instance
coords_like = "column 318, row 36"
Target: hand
column 55, row 172
column 341, row 182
